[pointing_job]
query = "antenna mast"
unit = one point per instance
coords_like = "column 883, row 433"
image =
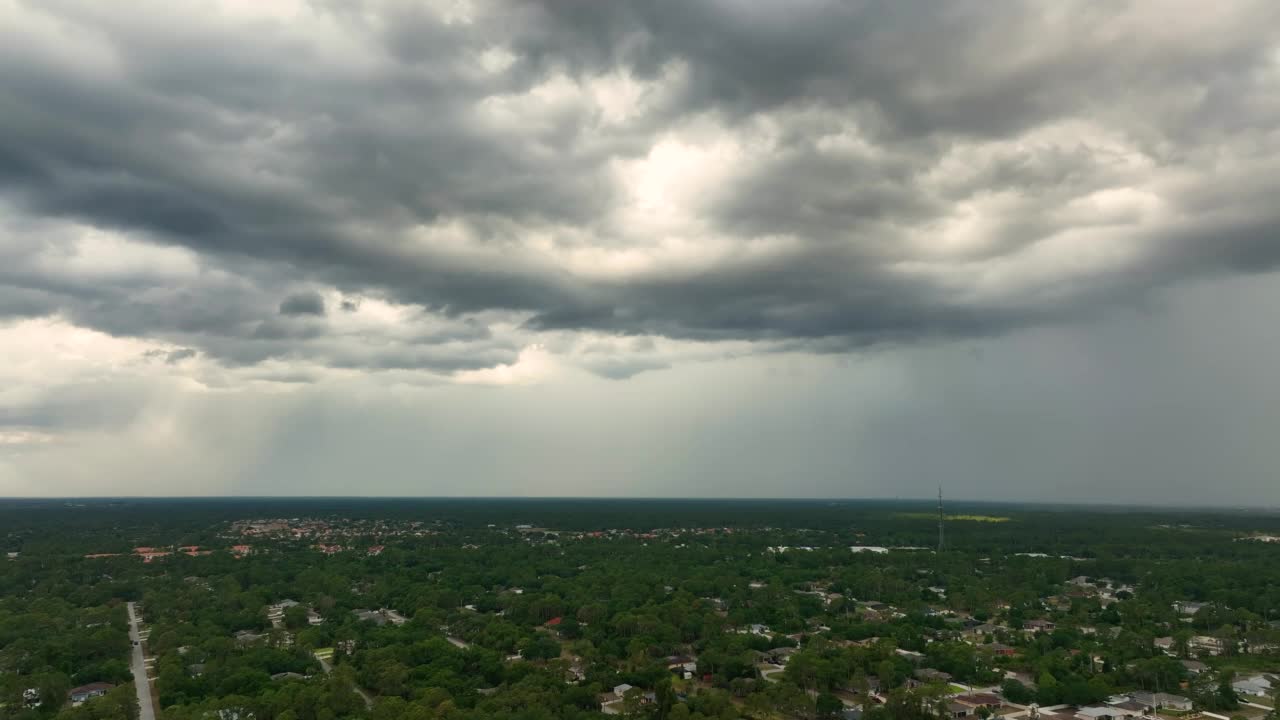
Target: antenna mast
column 940, row 516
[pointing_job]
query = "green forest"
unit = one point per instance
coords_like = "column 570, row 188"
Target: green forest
column 381, row 609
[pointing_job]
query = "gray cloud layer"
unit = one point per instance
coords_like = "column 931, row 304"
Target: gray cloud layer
column 318, row 146
column 303, row 303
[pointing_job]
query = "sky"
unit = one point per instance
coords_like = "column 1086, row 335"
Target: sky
column 1028, row 251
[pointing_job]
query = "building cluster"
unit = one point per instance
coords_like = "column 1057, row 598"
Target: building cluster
column 1131, row 706
column 536, row 534
column 275, row 613
column 150, row 554
column 381, row 616
column 321, row 529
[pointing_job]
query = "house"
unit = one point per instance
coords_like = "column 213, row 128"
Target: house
column 1164, row 643
column 1186, row 607
column 1058, row 602
column 1161, row 701
column 374, row 616
column 195, row 669
column 247, row 637
column 980, row 700
column 962, row 706
column 911, row 655
column 288, row 676
column 682, row 667
column 1106, row 712
column 977, row 632
column 1170, row 701
column 1255, row 685
column 376, row 550
column 931, row 675
column 88, row 692
column 1001, row 649
column 553, row 622
column 1195, row 667
column 1025, row 678
column 1038, row 626
column 1130, row 706
column 780, row 655
column 1206, row 644
column 611, row 703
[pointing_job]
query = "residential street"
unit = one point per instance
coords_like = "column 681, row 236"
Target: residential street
column 328, row 668
column 146, row 711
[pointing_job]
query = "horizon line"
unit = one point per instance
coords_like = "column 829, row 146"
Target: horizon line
column 641, row 498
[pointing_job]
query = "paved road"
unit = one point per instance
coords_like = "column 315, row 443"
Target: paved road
column 146, row 711
column 328, row 668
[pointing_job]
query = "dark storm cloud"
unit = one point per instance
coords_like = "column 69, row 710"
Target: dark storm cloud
column 305, row 303
column 987, row 68
column 20, row 302
column 367, row 147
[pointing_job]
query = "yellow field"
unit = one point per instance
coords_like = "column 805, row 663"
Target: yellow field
column 962, row 518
